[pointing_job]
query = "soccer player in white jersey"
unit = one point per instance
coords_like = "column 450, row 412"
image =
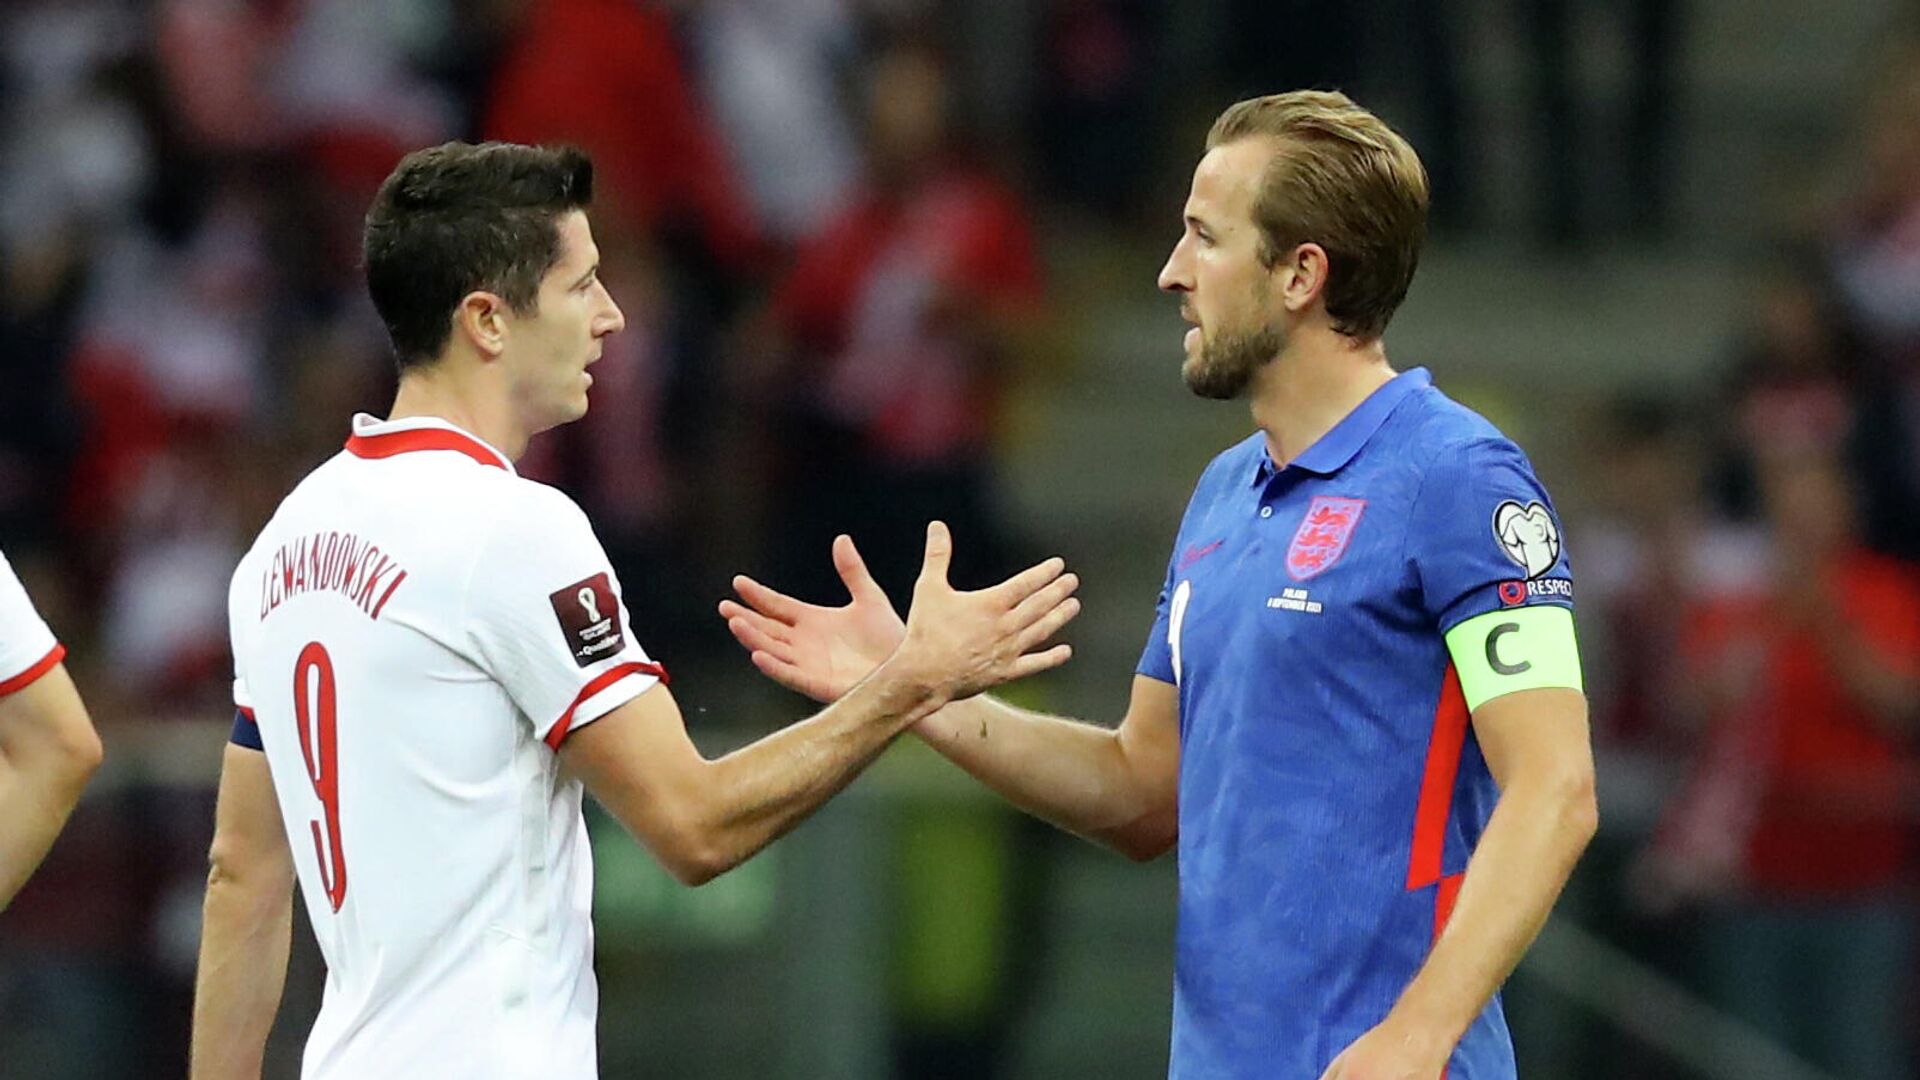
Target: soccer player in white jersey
column 433, row 653
column 48, row 748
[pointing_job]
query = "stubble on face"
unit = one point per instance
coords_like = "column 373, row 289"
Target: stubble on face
column 1229, row 359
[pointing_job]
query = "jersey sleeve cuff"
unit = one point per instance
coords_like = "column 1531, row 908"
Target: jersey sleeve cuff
column 1525, row 648
column 606, row 692
column 32, row 674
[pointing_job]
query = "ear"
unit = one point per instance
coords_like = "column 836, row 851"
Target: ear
column 1300, row 277
column 482, row 319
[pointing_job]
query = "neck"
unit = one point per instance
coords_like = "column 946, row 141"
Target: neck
column 1312, row 385
column 437, row 390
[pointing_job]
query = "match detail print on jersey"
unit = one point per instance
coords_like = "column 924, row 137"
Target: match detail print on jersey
column 1515, row 649
column 589, row 617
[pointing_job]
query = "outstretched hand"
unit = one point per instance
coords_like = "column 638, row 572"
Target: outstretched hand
column 966, row 641
column 814, row 650
column 960, row 643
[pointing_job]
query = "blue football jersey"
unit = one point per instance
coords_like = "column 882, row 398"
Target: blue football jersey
column 1331, row 790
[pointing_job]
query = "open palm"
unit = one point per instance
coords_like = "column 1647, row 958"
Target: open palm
column 817, row 651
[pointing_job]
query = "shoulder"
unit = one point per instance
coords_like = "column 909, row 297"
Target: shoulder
column 527, row 523
column 1452, row 443
column 1437, row 422
column 485, row 502
column 532, row 508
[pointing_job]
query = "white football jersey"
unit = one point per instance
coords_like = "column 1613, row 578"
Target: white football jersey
column 414, row 633
column 27, row 648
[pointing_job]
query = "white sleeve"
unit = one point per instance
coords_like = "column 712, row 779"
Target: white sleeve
column 547, row 620
column 243, row 612
column 28, row 649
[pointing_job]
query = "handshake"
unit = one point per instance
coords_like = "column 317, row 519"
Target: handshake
column 952, row 645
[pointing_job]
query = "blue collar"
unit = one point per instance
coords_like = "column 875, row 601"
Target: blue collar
column 1331, row 452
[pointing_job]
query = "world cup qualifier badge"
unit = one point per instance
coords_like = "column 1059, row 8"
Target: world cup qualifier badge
column 1529, row 536
column 589, row 617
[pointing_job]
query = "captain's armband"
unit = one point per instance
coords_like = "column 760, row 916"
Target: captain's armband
column 1523, row 648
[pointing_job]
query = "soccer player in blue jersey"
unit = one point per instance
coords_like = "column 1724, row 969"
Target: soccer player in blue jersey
column 1359, row 713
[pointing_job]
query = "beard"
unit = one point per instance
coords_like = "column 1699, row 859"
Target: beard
column 1227, row 363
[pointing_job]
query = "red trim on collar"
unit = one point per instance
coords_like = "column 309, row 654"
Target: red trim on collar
column 387, row 444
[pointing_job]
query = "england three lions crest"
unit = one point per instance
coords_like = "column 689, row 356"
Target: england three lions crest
column 1323, row 535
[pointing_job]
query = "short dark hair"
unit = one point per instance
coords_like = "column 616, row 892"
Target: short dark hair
column 457, row 217
column 1343, row 179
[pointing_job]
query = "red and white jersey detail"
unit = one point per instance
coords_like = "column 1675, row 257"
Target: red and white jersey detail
column 28, row 649
column 415, row 632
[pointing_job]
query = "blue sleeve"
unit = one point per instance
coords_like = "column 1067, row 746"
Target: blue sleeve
column 1485, row 535
column 245, row 732
column 1156, row 661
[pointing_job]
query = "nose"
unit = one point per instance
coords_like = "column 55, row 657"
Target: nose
column 612, row 320
column 1174, row 277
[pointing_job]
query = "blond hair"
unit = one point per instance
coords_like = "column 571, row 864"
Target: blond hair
column 1344, row 180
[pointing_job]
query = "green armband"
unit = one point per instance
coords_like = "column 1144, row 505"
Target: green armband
column 1521, row 648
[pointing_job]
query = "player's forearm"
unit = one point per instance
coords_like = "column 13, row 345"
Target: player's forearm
column 41, row 779
column 34, row 805
column 244, row 940
column 1069, row 773
column 758, row 793
column 1536, row 833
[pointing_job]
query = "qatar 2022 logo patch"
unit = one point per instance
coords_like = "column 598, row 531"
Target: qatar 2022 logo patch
column 1528, row 534
column 589, row 615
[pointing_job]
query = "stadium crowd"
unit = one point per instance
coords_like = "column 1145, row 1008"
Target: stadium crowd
column 830, row 238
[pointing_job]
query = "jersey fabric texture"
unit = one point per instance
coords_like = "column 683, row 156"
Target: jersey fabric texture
column 414, row 633
column 28, row 649
column 1331, row 789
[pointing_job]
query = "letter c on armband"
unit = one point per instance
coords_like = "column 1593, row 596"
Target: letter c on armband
column 1493, row 651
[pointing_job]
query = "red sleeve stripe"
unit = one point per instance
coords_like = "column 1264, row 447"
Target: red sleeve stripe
column 1443, row 900
column 1436, row 787
column 558, row 733
column 246, row 712
column 28, row 677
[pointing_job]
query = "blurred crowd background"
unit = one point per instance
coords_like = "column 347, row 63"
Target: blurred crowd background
column 884, row 260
